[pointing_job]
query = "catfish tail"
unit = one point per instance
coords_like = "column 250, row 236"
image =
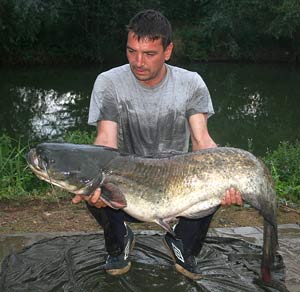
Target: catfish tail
column 270, row 246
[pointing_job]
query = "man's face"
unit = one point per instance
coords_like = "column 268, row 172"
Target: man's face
column 147, row 59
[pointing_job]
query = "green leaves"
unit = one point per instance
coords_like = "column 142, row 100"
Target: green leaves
column 284, row 164
column 81, row 31
column 287, row 20
column 16, row 179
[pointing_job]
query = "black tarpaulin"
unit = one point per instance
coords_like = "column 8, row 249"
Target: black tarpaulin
column 73, row 263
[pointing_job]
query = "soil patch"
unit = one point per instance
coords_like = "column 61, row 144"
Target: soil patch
column 38, row 216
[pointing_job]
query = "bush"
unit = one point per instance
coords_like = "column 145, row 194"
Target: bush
column 284, row 164
column 81, row 31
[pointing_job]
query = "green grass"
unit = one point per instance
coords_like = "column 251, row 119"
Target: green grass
column 17, row 182
column 284, row 164
column 80, row 137
column 16, row 179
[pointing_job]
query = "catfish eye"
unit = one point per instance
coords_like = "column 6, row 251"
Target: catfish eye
column 50, row 161
column 46, row 160
column 85, row 180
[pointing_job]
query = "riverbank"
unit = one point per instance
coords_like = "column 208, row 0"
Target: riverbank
column 36, row 216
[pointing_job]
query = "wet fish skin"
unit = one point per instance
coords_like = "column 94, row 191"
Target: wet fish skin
column 160, row 189
column 73, row 167
column 193, row 184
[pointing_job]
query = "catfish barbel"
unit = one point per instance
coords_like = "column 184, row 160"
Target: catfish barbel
column 159, row 189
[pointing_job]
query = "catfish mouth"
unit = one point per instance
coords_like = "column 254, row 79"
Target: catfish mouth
column 39, row 166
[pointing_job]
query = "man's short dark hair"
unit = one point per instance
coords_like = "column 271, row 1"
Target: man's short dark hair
column 151, row 24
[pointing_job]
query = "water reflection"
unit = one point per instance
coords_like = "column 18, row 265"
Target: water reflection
column 50, row 112
column 44, row 103
column 254, row 107
column 256, row 103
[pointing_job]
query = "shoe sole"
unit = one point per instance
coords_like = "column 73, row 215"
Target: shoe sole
column 179, row 268
column 116, row 272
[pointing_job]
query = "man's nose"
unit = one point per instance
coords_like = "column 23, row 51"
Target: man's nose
column 139, row 60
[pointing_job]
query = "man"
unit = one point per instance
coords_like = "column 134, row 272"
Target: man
column 148, row 107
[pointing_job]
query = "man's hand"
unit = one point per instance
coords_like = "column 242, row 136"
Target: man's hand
column 93, row 199
column 232, row 196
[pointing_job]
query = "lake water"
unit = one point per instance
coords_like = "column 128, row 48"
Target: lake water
column 256, row 105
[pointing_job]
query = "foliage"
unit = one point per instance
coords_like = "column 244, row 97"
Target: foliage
column 284, row 164
column 16, row 179
column 286, row 24
column 80, row 137
column 64, row 30
column 38, row 31
column 230, row 30
column 287, row 20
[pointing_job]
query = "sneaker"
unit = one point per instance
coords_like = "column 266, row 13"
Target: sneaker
column 185, row 264
column 120, row 264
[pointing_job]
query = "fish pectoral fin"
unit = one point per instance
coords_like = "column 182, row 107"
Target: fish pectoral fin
column 165, row 225
column 112, row 196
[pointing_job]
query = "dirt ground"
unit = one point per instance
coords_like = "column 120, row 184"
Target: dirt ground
column 37, row 216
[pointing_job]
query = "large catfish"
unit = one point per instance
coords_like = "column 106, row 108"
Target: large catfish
column 163, row 188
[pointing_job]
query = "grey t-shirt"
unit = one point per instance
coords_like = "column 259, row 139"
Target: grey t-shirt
column 150, row 120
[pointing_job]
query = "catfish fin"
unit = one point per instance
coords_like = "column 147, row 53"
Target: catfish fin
column 92, row 187
column 164, row 224
column 112, row 196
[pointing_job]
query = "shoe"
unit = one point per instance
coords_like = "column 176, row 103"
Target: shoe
column 185, row 264
column 120, row 264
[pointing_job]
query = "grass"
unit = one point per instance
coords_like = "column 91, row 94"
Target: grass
column 284, row 164
column 80, row 137
column 17, row 182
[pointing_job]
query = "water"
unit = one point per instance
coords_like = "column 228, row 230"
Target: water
column 256, row 105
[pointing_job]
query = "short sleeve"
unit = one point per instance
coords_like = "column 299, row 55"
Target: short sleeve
column 103, row 105
column 199, row 100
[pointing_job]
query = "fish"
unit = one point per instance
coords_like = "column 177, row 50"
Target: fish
column 165, row 186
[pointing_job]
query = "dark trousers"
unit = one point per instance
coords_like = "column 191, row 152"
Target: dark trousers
column 192, row 232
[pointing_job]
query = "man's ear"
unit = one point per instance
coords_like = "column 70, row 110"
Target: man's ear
column 168, row 51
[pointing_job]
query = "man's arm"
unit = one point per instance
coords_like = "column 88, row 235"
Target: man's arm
column 107, row 135
column 202, row 140
column 199, row 132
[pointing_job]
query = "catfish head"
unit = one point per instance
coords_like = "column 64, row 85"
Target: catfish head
column 74, row 167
